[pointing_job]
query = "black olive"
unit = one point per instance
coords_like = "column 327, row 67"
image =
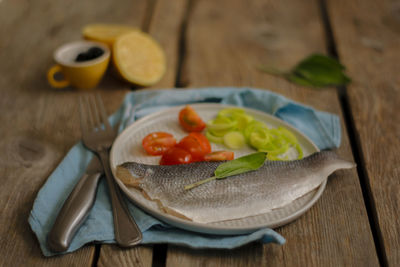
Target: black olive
column 92, row 53
column 95, row 52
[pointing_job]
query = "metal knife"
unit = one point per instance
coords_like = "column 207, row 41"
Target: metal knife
column 76, row 208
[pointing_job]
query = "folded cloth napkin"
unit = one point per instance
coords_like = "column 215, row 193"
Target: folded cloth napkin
column 321, row 127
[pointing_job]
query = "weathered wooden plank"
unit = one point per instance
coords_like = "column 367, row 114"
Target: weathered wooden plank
column 226, row 40
column 164, row 27
column 38, row 124
column 367, row 35
column 112, row 255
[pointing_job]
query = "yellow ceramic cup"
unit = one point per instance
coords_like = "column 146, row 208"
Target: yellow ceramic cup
column 81, row 75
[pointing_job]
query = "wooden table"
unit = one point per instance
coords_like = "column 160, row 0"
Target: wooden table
column 215, row 43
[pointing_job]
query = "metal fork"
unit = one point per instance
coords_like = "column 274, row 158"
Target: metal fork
column 98, row 136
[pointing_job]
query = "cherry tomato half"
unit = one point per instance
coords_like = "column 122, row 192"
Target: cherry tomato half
column 190, row 120
column 157, row 143
column 196, row 144
column 175, row 156
column 219, row 156
column 203, row 140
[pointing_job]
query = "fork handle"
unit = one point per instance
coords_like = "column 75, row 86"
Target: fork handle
column 126, row 231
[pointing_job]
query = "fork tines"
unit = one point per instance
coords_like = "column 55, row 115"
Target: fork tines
column 93, row 107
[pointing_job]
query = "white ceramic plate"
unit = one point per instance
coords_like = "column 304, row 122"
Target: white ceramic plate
column 127, row 147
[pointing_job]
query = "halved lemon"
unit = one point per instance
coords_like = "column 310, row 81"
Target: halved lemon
column 105, row 33
column 139, row 58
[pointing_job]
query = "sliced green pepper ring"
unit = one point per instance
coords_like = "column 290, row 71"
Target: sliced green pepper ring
column 219, row 124
column 214, row 138
column 234, row 140
column 259, row 138
column 254, row 125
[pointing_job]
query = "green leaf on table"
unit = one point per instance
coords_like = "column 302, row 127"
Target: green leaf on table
column 234, row 167
column 314, row 71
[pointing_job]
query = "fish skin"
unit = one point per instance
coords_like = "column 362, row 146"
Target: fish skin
column 275, row 184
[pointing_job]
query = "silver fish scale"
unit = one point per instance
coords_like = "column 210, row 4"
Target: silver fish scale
column 274, row 185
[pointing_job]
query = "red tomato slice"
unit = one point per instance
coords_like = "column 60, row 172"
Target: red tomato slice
column 175, row 156
column 196, row 144
column 190, row 120
column 157, row 143
column 191, row 145
column 219, row 156
column 202, row 139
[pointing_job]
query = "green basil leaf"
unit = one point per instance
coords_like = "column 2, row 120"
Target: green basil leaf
column 321, row 71
column 240, row 165
column 314, row 71
column 299, row 80
column 233, row 167
column 320, row 60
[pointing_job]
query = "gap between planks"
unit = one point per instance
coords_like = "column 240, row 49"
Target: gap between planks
column 179, row 82
column 148, row 15
column 355, row 143
column 96, row 255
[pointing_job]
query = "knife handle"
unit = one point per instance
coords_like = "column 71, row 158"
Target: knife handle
column 73, row 213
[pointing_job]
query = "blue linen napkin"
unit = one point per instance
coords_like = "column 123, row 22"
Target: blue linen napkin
column 321, row 127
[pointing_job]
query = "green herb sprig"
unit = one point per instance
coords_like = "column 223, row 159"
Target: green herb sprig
column 237, row 166
column 315, row 71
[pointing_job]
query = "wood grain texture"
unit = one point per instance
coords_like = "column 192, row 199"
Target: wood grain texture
column 38, row 124
column 112, row 255
column 367, row 34
column 225, row 42
column 164, row 26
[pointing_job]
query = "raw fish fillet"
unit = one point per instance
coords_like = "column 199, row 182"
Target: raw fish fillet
column 275, row 184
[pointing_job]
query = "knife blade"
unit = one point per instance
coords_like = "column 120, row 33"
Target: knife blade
column 76, row 208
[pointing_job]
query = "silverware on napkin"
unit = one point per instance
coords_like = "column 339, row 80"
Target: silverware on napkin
column 75, row 208
column 98, row 136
